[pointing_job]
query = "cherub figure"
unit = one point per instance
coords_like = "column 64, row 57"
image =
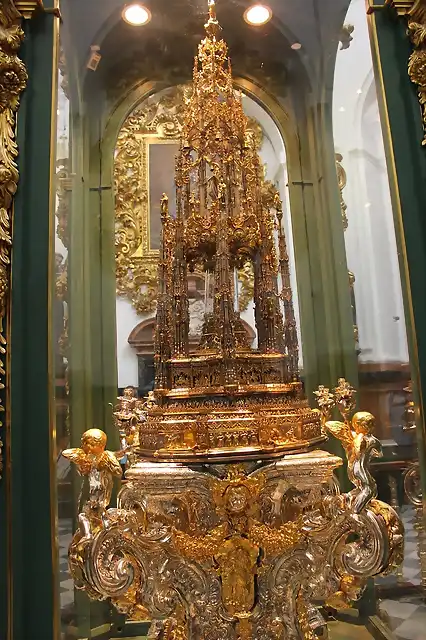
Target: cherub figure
column 356, row 437
column 98, row 465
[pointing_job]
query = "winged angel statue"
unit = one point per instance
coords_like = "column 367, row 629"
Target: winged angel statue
column 98, row 465
column 356, row 436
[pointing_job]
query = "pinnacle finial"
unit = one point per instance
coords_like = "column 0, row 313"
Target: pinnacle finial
column 212, row 9
column 212, row 26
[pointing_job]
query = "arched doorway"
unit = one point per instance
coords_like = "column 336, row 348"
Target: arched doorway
column 141, row 341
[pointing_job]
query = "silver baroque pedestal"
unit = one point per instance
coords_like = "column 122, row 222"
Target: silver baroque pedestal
column 224, row 552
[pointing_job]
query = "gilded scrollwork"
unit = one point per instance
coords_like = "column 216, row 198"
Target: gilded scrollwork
column 415, row 13
column 186, row 547
column 13, row 79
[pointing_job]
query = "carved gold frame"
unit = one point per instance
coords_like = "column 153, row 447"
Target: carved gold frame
column 415, row 13
column 136, row 262
column 154, row 122
column 13, row 80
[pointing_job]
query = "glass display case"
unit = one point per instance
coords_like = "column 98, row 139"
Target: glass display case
column 303, row 124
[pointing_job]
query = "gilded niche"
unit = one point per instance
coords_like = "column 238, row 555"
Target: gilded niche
column 13, row 79
column 158, row 121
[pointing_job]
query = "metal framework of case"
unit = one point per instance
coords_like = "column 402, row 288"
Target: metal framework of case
column 231, row 524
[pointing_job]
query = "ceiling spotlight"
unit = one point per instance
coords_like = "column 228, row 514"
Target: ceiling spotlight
column 296, row 46
column 258, row 14
column 136, row 14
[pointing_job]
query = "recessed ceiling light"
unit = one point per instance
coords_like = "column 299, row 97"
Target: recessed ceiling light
column 342, row 109
column 359, row 91
column 258, row 14
column 296, row 46
column 136, row 14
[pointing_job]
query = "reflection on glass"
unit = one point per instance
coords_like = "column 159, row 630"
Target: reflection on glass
column 120, row 104
column 373, row 259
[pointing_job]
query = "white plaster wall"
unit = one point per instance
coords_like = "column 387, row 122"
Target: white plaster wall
column 127, row 361
column 273, row 156
column 62, row 147
column 370, row 238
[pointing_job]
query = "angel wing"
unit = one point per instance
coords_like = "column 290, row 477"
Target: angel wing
column 341, row 431
column 79, row 458
column 109, row 462
column 274, row 541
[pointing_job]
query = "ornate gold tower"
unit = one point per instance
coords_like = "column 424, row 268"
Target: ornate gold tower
column 226, row 399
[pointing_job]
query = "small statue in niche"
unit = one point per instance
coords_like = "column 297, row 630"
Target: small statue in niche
column 237, row 567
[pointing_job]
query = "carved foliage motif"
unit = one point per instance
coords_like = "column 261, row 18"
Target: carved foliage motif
column 415, row 13
column 417, row 61
column 136, row 262
column 13, row 78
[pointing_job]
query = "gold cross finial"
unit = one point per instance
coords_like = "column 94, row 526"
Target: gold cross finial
column 212, row 26
column 212, row 9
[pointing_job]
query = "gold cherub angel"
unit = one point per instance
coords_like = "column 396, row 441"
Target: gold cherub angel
column 357, row 439
column 97, row 464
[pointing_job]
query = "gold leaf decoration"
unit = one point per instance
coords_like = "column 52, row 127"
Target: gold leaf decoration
column 415, row 13
column 417, row 60
column 13, row 79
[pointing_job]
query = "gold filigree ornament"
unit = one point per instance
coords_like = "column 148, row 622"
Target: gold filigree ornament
column 13, row 79
column 136, row 262
column 236, row 549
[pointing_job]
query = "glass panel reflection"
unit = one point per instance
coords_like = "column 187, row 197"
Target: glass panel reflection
column 307, row 85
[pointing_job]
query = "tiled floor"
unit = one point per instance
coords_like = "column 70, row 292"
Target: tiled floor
column 65, row 581
column 406, row 616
